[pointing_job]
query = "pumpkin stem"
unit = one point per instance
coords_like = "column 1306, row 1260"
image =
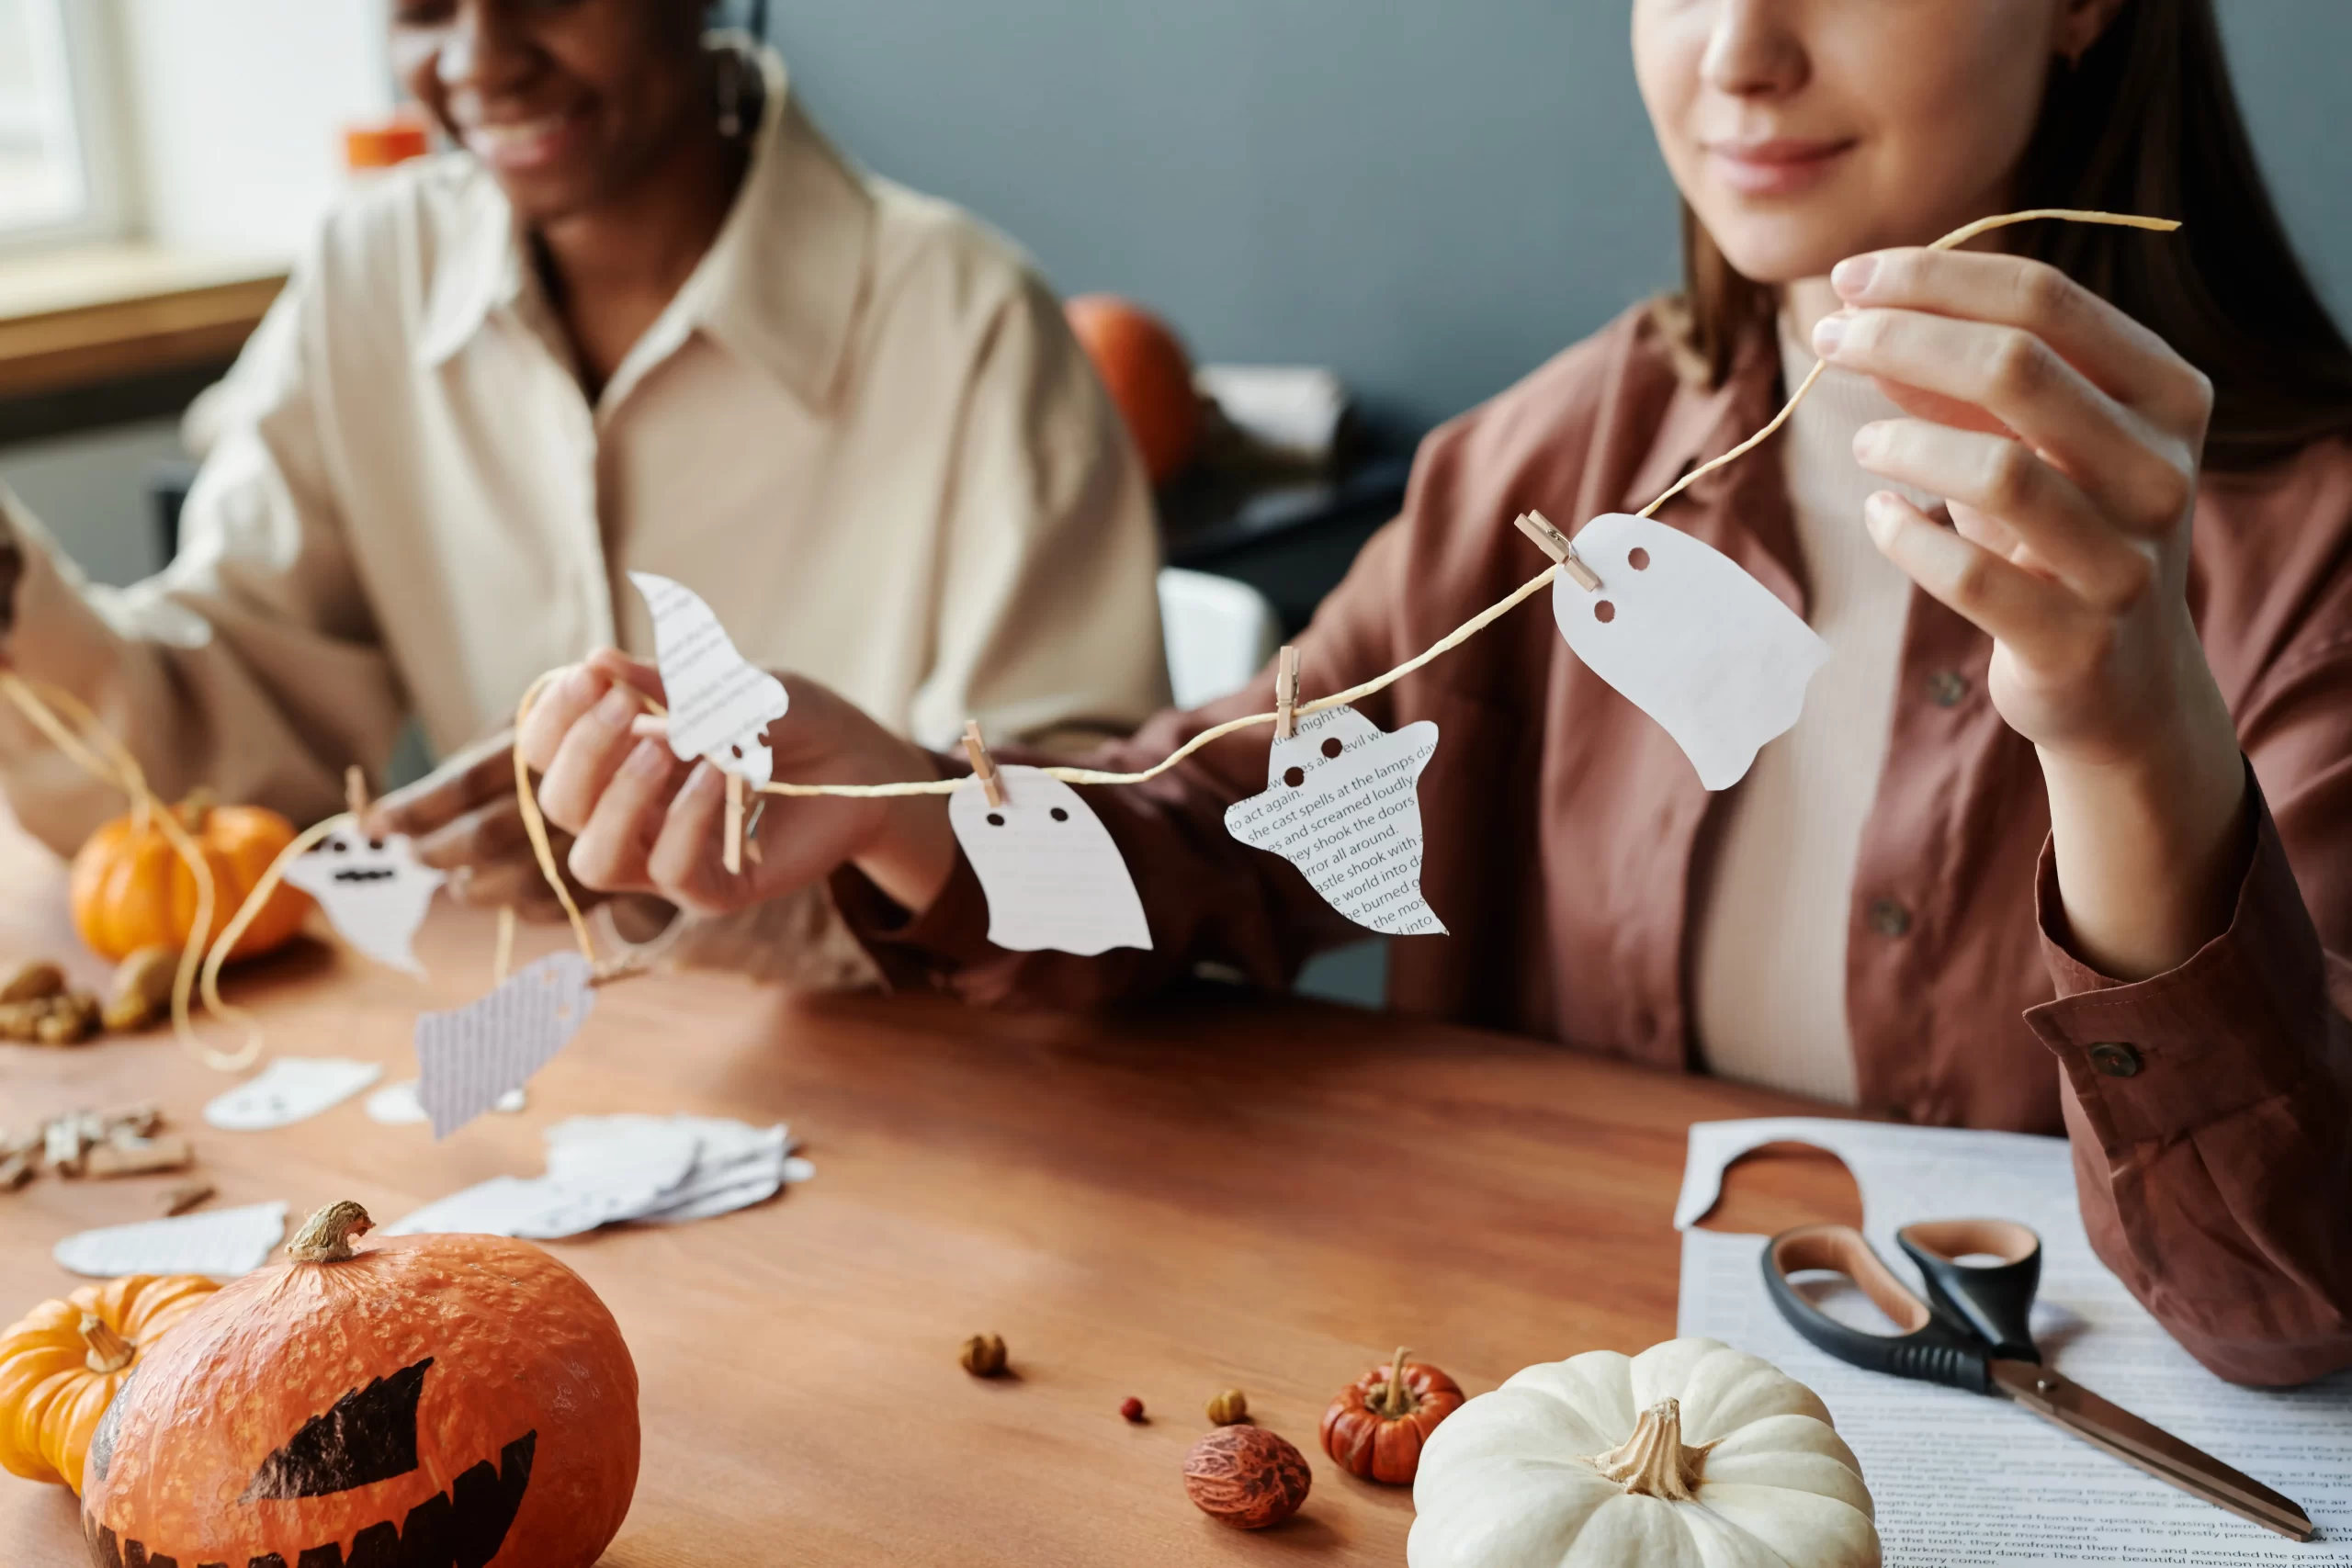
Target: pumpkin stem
column 109, row 1351
column 199, row 806
column 1654, row 1463
column 325, row 1236
column 1397, row 1397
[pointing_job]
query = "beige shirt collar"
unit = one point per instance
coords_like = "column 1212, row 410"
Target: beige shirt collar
column 778, row 287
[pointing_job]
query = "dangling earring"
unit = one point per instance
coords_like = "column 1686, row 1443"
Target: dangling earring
column 731, row 95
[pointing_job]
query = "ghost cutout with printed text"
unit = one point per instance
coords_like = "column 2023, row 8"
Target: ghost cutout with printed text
column 1053, row 876
column 1690, row 638
column 720, row 704
column 470, row 1058
column 374, row 891
column 1343, row 804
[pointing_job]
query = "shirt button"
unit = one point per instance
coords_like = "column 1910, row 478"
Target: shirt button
column 1947, row 687
column 2116, row 1059
column 1888, row 918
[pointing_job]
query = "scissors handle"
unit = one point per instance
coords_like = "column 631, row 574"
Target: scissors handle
column 1993, row 1301
column 1936, row 1343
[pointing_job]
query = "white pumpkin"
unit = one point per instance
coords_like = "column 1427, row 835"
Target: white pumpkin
column 1689, row 1455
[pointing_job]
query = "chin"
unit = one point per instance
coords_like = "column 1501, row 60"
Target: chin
column 547, row 198
column 1784, row 245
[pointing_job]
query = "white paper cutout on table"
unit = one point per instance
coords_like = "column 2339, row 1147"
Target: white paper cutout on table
column 720, row 704
column 224, row 1243
column 1690, row 638
column 291, row 1089
column 396, row 1105
column 1053, row 876
column 374, row 892
column 1342, row 803
column 471, row 1057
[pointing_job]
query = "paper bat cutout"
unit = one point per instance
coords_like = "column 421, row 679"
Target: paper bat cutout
column 471, row 1057
column 720, row 705
column 1342, row 803
column 1691, row 639
column 374, row 891
column 1053, row 877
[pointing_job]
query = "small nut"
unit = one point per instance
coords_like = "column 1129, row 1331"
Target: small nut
column 983, row 1355
column 1229, row 1408
column 32, row 982
column 1132, row 1408
column 141, row 991
column 19, row 1020
column 65, row 1021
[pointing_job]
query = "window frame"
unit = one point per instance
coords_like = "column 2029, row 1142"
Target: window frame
column 86, row 31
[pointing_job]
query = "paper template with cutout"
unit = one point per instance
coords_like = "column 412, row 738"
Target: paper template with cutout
column 468, row 1057
column 1342, row 803
column 1053, row 877
column 720, row 705
column 224, row 1243
column 291, row 1089
column 1691, row 639
column 375, row 892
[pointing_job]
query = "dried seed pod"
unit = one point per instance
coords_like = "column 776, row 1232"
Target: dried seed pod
column 65, row 1021
column 32, row 982
column 983, row 1355
column 1246, row 1477
column 141, row 991
column 1229, row 1408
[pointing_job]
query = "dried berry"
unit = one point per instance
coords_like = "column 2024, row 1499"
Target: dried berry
column 1227, row 1408
column 983, row 1355
column 1132, row 1408
column 1246, row 1477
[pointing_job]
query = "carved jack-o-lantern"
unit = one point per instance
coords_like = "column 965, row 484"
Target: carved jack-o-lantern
column 431, row 1402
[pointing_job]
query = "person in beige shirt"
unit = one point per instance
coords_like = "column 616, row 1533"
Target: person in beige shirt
column 645, row 318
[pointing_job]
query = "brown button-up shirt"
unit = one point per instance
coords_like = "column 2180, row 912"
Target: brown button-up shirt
column 2208, row 1106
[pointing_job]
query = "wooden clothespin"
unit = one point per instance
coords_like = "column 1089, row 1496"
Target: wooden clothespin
column 983, row 765
column 354, row 790
column 731, row 853
column 1286, row 693
column 650, row 727
column 1554, row 542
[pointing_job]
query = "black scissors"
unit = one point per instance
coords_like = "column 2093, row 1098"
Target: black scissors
column 1972, row 1332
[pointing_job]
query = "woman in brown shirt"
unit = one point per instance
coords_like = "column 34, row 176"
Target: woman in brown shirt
column 2113, row 821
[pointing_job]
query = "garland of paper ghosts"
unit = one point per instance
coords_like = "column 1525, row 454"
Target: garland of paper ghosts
column 1677, row 628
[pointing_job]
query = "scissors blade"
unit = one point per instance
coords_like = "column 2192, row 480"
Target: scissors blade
column 2150, row 1446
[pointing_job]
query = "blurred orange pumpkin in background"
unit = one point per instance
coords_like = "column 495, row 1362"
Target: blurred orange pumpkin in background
column 131, row 889
column 1143, row 363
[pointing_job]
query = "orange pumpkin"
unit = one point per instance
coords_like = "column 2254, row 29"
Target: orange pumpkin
column 1150, row 375
column 131, row 889
column 1377, row 1426
column 62, row 1363
column 430, row 1399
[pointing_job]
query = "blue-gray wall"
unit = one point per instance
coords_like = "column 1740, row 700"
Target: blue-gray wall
column 1432, row 196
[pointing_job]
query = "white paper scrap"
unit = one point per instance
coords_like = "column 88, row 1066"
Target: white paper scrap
column 1961, row 1479
column 504, row 1205
column 471, row 1057
column 224, row 1243
column 396, row 1105
column 1053, row 876
column 374, row 891
column 1690, row 638
column 291, row 1089
column 1342, row 803
column 720, row 704
column 614, row 1168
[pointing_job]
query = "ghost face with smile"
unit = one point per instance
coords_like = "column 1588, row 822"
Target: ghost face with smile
column 374, row 891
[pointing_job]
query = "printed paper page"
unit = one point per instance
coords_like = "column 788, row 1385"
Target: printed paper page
column 224, row 1243
column 1053, row 876
column 469, row 1057
column 720, row 704
column 1342, row 803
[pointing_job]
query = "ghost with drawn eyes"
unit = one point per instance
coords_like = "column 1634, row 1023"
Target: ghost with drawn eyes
column 1053, row 876
column 720, row 704
column 374, row 891
column 1342, row 803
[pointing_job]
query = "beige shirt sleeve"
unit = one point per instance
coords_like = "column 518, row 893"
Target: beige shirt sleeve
column 251, row 664
column 1048, row 625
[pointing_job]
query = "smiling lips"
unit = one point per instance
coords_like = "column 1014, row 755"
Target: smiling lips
column 521, row 144
column 1782, row 166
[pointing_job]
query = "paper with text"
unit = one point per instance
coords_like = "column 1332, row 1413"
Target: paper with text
column 471, row 1056
column 1967, row 1479
column 396, row 1105
column 224, row 1243
column 1690, row 638
column 1342, row 803
column 720, row 704
column 1053, row 876
column 291, row 1089
column 373, row 891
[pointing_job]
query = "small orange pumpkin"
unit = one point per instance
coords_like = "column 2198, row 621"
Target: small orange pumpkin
column 131, row 889
column 1148, row 375
column 1377, row 1426
column 65, row 1360
column 430, row 1399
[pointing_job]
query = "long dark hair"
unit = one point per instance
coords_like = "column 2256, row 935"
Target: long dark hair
column 2146, row 122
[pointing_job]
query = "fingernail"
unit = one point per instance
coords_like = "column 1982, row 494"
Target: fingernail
column 1869, row 443
column 1851, row 277
column 647, row 759
column 1827, row 334
column 579, row 687
column 615, row 708
column 1881, row 514
column 704, row 780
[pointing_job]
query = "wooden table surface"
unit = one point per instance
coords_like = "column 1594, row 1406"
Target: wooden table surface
column 1215, row 1191
column 102, row 313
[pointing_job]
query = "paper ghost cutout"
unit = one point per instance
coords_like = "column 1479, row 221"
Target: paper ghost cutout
column 1053, row 877
column 1691, row 639
column 1342, row 803
column 720, row 705
column 469, row 1057
column 396, row 1105
column 291, row 1089
column 374, row 891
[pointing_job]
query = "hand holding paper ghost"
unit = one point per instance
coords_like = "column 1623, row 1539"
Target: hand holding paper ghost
column 465, row 822
column 2067, row 439
column 648, row 823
